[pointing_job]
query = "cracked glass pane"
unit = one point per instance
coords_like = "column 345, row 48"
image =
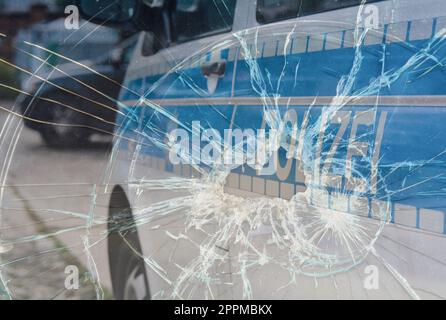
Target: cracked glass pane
column 222, row 149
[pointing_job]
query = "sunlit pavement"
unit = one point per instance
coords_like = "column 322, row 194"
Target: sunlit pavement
column 48, row 198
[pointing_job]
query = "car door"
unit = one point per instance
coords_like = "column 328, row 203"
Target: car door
column 188, row 86
column 337, row 154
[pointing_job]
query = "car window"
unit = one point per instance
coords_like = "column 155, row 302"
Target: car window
column 127, row 53
column 198, row 18
column 275, row 10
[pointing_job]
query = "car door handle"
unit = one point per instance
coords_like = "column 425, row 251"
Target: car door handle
column 216, row 68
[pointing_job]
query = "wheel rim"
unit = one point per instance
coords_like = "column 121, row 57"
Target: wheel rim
column 63, row 116
column 135, row 286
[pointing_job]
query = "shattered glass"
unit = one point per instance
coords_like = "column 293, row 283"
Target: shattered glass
column 356, row 146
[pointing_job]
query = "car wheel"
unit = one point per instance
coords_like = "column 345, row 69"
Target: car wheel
column 127, row 267
column 62, row 134
column 135, row 283
column 130, row 275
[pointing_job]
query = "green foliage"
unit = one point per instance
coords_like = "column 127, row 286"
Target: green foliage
column 7, row 77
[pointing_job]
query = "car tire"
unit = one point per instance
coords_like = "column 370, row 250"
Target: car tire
column 134, row 285
column 132, row 278
column 127, row 267
column 72, row 139
column 60, row 136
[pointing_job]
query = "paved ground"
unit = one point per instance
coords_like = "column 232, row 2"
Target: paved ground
column 45, row 190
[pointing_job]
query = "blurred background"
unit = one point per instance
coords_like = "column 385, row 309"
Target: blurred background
column 42, row 22
column 16, row 16
column 48, row 54
column 50, row 171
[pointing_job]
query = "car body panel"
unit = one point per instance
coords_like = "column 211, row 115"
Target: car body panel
column 392, row 112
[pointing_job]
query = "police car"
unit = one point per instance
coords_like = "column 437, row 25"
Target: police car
column 279, row 149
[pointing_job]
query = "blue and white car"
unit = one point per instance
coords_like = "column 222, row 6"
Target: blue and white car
column 278, row 149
